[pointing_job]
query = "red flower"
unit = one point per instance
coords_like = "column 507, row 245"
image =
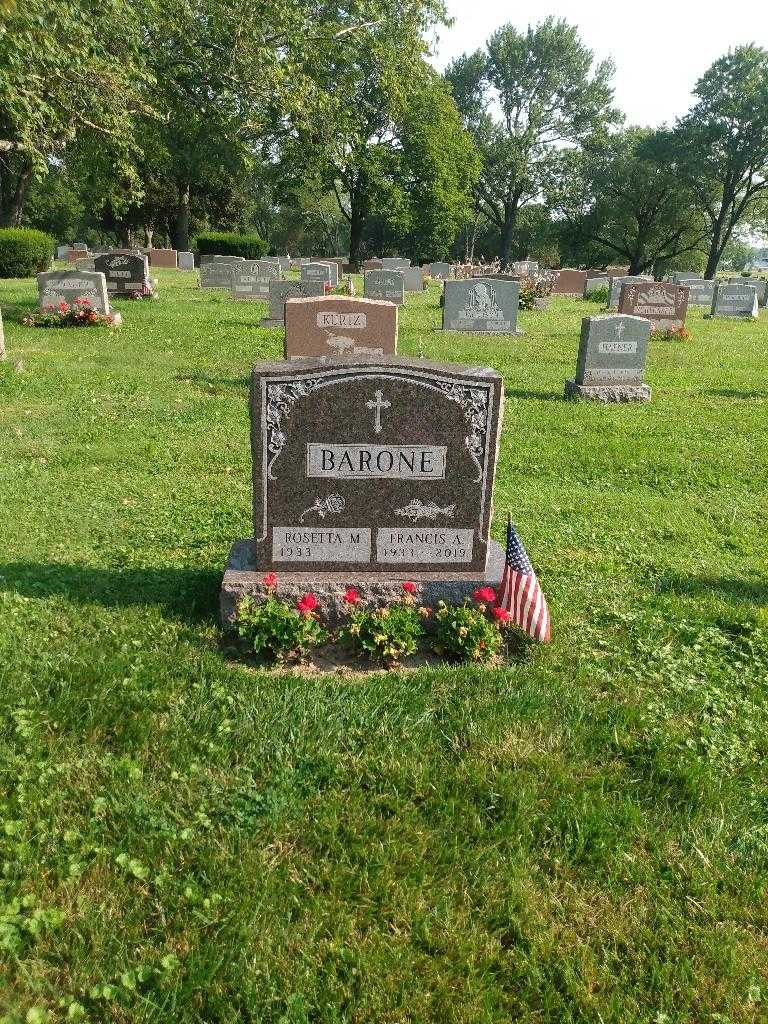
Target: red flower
column 270, row 580
column 485, row 595
column 63, row 307
column 352, row 595
column 501, row 614
column 307, row 604
column 409, row 588
column 82, row 301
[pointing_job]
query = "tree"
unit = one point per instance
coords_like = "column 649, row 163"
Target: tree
column 549, row 95
column 624, row 198
column 725, row 141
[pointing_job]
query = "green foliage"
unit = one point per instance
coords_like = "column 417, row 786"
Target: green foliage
column 227, row 243
column 275, row 631
column 464, row 632
column 24, row 252
column 385, row 634
column 599, row 295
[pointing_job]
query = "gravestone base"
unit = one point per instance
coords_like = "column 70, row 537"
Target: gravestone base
column 608, row 392
column 241, row 578
column 270, row 322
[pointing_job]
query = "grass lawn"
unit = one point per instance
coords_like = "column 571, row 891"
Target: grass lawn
column 580, row 837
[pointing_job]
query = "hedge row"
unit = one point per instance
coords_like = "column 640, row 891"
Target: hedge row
column 226, row 243
column 24, row 252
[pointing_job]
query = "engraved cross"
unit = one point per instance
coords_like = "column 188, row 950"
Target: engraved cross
column 378, row 405
column 620, row 328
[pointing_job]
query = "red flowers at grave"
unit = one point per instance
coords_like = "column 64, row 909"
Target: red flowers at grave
column 409, row 588
column 501, row 615
column 307, row 604
column 270, row 580
column 352, row 596
column 82, row 301
column 63, row 307
column 484, row 595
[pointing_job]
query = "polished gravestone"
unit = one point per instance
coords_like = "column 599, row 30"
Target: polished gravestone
column 384, row 284
column 736, row 301
column 611, row 360
column 662, row 303
column 354, row 485
column 126, row 273
column 481, row 306
column 57, row 286
column 251, row 280
column 281, row 291
column 336, row 326
column 570, row 282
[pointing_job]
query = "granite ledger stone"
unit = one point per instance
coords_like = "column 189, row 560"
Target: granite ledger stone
column 336, row 326
column 481, row 306
column 611, row 360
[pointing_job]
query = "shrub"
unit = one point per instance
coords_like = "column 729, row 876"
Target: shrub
column 24, row 252
column 600, row 295
column 387, row 634
column 275, row 631
column 229, row 243
column 464, row 632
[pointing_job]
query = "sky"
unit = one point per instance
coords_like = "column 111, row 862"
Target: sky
column 659, row 49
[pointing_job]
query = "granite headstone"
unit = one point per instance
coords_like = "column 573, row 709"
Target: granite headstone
column 384, row 284
column 481, row 306
column 335, row 326
column 126, row 273
column 216, row 272
column 57, row 286
column 611, row 360
column 281, row 291
column 735, row 300
column 663, row 303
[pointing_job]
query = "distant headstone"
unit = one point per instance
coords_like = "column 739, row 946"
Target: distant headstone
column 413, row 279
column 208, row 257
column 395, row 263
column 440, row 270
column 761, row 283
column 384, row 284
column 186, row 260
column 481, row 306
column 338, row 262
column 700, row 292
column 281, row 291
column 318, row 272
column 664, row 304
column 163, row 258
column 57, row 286
column 251, row 279
column 62, row 252
column 735, row 300
column 684, row 276
column 615, row 286
column 334, row 326
column 611, row 360
column 126, row 273
column 595, row 284
column 524, row 268
column 217, row 272
column 570, row 282
column 350, row 475
column 85, row 264
column 372, row 265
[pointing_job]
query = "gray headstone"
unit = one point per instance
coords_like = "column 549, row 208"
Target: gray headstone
column 481, row 306
column 251, row 279
column 595, row 284
column 611, row 360
column 214, row 258
column 761, row 283
column 525, row 268
column 615, row 285
column 319, row 272
column 126, row 273
column 57, row 286
column 186, row 261
column 85, row 264
column 281, row 291
column 735, row 300
column 440, row 270
column 62, row 252
column 217, row 272
column 384, row 284
column 413, row 278
column 395, row 263
column 700, row 292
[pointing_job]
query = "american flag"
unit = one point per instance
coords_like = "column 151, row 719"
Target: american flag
column 520, row 593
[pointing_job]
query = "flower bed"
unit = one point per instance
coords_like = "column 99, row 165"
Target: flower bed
column 79, row 314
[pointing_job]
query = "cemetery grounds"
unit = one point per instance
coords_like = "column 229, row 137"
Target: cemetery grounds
column 581, row 836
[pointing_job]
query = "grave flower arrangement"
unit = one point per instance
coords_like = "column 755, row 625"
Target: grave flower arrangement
column 277, row 631
column 466, row 632
column 146, row 291
column 79, row 314
column 385, row 634
column 672, row 333
column 535, row 292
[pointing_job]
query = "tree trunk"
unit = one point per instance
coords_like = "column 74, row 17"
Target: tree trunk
column 356, row 225
column 717, row 243
column 15, row 194
column 181, row 222
column 510, row 222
